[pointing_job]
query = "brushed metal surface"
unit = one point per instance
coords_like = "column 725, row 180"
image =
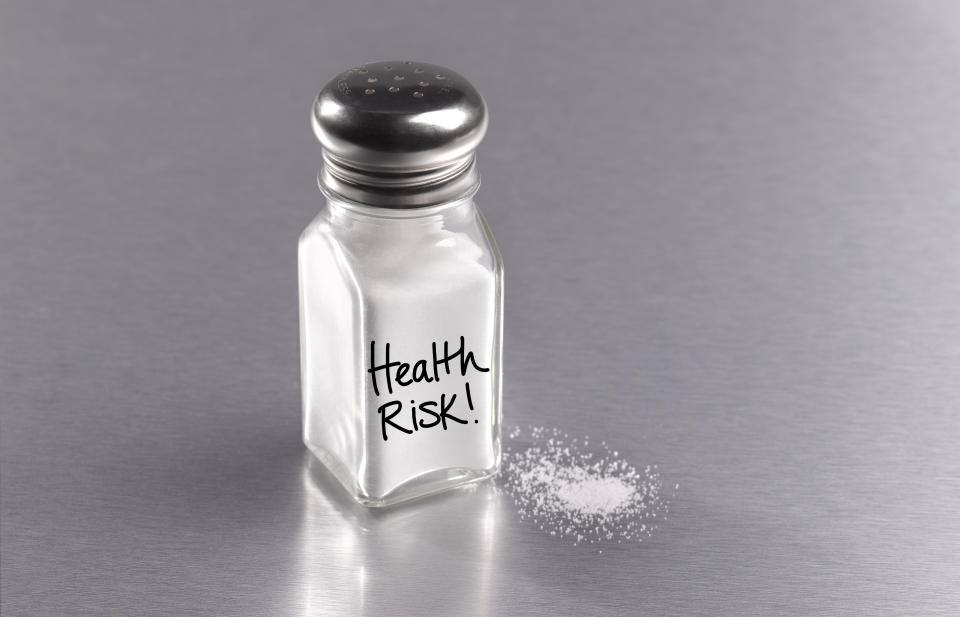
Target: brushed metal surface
column 733, row 247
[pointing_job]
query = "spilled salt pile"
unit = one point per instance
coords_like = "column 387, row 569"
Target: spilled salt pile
column 584, row 493
column 597, row 495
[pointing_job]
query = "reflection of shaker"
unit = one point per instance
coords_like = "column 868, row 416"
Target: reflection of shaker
column 352, row 560
column 400, row 288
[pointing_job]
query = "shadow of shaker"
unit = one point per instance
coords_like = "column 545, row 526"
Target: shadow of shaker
column 433, row 554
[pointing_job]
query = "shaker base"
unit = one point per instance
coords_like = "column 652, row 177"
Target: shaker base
column 424, row 485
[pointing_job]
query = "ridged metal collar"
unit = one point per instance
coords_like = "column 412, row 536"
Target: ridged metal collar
column 399, row 134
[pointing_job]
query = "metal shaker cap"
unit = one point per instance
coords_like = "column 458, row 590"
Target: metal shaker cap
column 399, row 134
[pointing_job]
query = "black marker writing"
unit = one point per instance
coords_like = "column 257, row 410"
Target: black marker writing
column 427, row 414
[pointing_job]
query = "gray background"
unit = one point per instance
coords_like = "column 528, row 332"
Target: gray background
column 731, row 233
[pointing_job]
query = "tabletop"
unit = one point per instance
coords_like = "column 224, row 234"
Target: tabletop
column 730, row 232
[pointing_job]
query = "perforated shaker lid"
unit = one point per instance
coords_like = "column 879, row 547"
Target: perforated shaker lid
column 399, row 134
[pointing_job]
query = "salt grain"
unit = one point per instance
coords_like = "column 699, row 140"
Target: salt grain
column 584, row 495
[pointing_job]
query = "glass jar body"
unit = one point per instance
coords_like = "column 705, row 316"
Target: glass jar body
column 400, row 339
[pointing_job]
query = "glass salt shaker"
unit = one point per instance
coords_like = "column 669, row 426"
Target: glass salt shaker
column 401, row 288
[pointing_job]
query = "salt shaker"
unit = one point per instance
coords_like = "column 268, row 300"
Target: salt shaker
column 401, row 287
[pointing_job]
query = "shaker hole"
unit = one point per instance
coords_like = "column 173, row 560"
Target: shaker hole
column 393, row 89
column 424, row 83
column 369, row 91
column 418, row 70
column 372, row 80
column 439, row 76
column 398, row 77
column 418, row 94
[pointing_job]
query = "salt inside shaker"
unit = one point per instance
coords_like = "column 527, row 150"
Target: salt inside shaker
column 401, row 288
